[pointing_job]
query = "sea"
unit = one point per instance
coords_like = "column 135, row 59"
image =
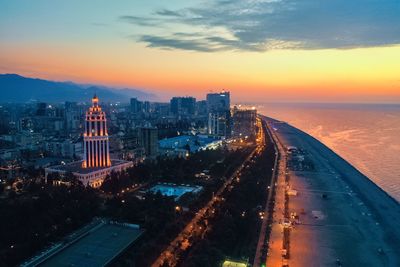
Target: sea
column 366, row 135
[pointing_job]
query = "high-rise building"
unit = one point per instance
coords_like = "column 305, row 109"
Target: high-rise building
column 146, row 106
column 96, row 163
column 95, row 138
column 219, row 116
column 244, row 122
column 183, row 106
column 161, row 109
column 218, row 124
column 174, row 105
column 136, row 105
column 148, row 139
column 72, row 116
column 217, row 102
column 201, row 108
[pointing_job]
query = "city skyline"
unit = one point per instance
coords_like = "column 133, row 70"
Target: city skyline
column 199, row 133
column 351, row 54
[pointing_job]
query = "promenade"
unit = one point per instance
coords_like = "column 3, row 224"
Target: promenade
column 338, row 217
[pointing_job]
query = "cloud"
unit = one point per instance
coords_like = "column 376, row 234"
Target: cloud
column 192, row 42
column 168, row 13
column 260, row 25
column 176, row 43
column 140, row 21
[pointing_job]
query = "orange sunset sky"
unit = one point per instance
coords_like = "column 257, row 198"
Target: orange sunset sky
column 175, row 49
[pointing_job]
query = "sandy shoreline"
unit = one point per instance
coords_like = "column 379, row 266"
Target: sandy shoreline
column 356, row 223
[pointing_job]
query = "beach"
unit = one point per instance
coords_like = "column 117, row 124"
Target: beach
column 365, row 135
column 342, row 216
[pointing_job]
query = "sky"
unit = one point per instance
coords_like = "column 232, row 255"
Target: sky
column 260, row 50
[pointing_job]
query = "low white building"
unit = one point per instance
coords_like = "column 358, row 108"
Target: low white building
column 93, row 177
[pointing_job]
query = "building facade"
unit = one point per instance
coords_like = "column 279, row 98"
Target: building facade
column 218, row 124
column 95, row 138
column 183, row 106
column 96, row 163
column 148, row 139
column 218, row 102
column 244, row 122
column 219, row 115
column 136, row 105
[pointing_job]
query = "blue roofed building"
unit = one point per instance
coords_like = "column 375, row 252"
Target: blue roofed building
column 182, row 146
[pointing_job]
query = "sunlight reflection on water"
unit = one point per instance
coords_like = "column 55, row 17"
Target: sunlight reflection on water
column 368, row 136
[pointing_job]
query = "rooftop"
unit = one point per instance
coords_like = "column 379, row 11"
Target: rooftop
column 76, row 167
column 229, row 263
column 194, row 142
column 174, row 190
column 98, row 245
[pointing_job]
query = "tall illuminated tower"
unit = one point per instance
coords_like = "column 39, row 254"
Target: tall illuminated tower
column 95, row 138
column 96, row 164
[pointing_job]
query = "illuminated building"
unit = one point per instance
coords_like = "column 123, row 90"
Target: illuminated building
column 244, row 122
column 218, row 124
column 95, row 138
column 219, row 116
column 96, row 163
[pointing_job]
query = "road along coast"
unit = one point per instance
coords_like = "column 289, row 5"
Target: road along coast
column 326, row 212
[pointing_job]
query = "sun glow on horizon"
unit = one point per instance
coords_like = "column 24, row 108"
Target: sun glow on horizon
column 318, row 75
column 105, row 48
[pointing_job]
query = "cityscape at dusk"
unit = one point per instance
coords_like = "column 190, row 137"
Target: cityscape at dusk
column 205, row 133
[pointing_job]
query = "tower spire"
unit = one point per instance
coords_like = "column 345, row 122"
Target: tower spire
column 96, row 144
column 95, row 100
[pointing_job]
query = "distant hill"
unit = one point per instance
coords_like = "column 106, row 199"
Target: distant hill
column 19, row 89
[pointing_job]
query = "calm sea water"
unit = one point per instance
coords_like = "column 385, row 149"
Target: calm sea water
column 366, row 135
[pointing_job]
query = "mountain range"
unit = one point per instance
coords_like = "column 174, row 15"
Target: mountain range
column 18, row 89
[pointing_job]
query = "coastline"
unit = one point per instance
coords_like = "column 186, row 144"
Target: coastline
column 350, row 165
column 366, row 136
column 356, row 210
